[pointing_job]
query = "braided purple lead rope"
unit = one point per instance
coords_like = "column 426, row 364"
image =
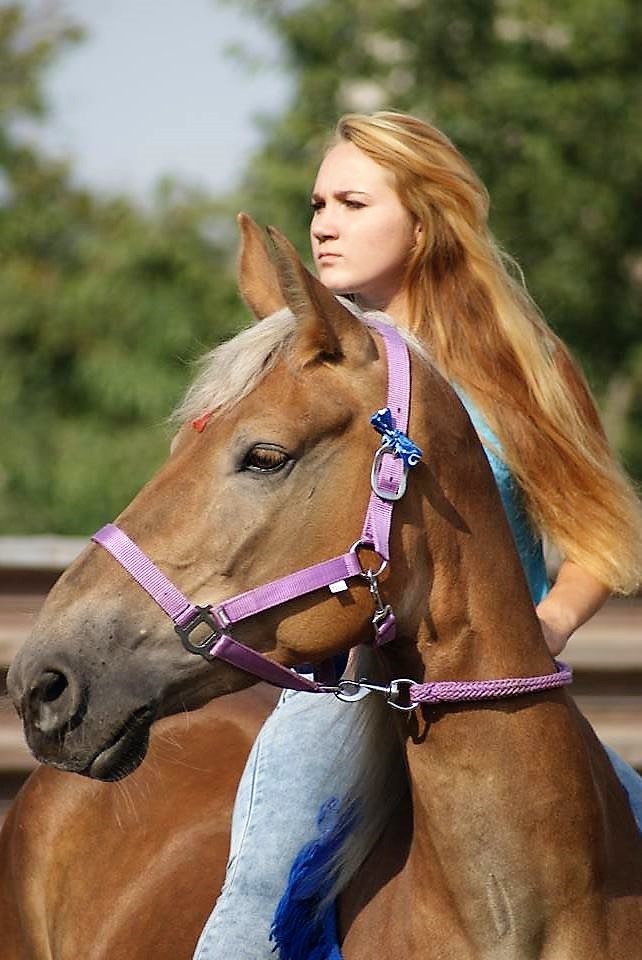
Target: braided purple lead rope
column 453, row 691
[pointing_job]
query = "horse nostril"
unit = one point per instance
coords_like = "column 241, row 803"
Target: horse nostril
column 52, row 686
column 54, row 701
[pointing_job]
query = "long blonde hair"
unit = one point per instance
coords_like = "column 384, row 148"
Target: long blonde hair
column 487, row 335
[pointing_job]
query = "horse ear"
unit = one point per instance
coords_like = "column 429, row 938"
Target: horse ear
column 258, row 279
column 327, row 329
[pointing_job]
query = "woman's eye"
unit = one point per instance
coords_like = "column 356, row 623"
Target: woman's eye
column 265, row 459
column 354, row 204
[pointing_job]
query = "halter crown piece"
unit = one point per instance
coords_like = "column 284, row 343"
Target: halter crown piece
column 392, row 461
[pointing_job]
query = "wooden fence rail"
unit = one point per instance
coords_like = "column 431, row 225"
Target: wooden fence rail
column 606, row 655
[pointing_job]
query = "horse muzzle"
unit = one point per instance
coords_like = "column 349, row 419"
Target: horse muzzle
column 91, row 727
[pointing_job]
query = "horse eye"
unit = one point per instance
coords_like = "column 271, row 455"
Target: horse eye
column 265, row 459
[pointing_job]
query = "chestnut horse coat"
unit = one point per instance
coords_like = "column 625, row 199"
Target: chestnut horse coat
column 515, row 840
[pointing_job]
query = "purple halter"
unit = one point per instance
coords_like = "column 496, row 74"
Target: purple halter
column 388, row 482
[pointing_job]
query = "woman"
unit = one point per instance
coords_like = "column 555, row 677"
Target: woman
column 399, row 223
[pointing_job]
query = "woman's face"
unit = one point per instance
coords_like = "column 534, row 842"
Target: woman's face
column 361, row 234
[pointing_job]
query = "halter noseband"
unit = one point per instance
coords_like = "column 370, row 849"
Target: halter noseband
column 392, row 461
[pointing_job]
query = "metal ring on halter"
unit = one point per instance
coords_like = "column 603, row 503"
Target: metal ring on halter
column 395, row 692
column 368, row 574
column 349, row 691
column 374, row 480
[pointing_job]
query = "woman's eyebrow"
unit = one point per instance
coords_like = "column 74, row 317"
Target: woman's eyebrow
column 341, row 194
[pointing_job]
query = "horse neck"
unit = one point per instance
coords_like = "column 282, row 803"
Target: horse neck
column 476, row 617
column 484, row 778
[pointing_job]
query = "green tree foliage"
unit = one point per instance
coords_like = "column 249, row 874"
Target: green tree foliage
column 101, row 307
column 545, row 100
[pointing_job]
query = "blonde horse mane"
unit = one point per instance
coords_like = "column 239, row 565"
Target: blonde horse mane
column 231, row 370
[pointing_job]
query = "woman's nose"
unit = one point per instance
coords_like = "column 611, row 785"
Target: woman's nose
column 324, row 226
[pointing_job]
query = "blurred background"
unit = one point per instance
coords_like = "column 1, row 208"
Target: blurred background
column 132, row 131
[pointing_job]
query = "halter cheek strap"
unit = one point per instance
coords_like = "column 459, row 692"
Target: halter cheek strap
column 392, row 461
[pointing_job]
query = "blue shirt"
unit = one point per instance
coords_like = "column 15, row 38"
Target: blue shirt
column 528, row 542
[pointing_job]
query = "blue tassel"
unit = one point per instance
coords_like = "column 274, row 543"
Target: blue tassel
column 300, row 930
column 394, row 440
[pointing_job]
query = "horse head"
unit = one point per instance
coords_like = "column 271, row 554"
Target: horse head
column 269, row 473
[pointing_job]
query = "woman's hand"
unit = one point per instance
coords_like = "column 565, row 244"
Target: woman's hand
column 573, row 599
column 556, row 639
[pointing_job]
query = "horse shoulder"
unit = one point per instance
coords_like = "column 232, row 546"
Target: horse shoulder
column 128, row 869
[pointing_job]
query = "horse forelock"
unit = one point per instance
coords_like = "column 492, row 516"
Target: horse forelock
column 231, row 370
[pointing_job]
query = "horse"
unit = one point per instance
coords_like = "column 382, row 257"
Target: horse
column 514, row 839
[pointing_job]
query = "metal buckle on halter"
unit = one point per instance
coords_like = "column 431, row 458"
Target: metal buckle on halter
column 397, row 444
column 374, row 480
column 349, row 691
column 205, row 615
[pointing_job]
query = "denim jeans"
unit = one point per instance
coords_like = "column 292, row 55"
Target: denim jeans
column 300, row 759
column 630, row 780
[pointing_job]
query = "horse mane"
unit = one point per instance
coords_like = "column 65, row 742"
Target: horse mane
column 231, row 370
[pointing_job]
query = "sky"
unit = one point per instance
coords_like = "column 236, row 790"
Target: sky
column 152, row 91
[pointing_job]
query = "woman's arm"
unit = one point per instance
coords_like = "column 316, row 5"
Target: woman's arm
column 573, row 599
